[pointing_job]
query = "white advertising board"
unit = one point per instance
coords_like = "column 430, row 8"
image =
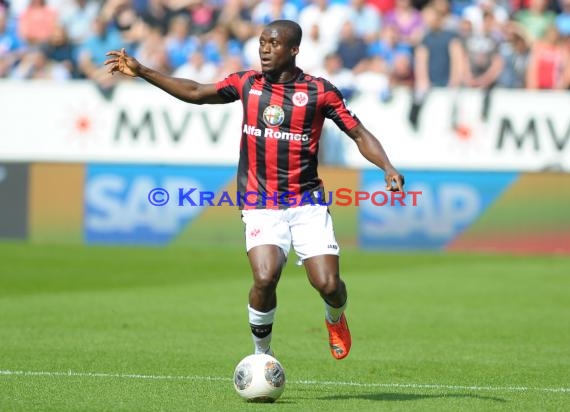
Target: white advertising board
column 139, row 124
column 523, row 131
column 73, row 122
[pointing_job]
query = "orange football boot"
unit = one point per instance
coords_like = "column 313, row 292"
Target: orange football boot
column 339, row 338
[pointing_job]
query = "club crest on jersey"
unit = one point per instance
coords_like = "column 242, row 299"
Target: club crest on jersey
column 273, row 115
column 300, row 99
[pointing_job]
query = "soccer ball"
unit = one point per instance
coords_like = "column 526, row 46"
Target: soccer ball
column 259, row 378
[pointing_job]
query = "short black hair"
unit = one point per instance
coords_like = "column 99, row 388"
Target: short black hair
column 294, row 32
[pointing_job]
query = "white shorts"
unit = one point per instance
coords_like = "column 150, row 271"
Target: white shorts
column 308, row 228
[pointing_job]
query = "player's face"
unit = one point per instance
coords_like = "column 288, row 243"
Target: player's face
column 274, row 51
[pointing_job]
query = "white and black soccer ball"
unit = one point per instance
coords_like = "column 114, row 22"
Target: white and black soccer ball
column 259, row 378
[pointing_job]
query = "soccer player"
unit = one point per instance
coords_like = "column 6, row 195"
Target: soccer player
column 283, row 114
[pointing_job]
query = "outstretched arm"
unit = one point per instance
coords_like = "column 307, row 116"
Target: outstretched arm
column 371, row 148
column 183, row 89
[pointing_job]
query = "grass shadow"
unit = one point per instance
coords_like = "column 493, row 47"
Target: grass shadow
column 397, row 397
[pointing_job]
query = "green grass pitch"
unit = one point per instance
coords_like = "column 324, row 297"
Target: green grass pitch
column 137, row 329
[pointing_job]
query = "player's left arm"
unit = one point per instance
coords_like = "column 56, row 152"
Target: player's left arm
column 372, row 150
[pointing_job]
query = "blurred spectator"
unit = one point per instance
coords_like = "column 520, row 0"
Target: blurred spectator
column 92, row 54
column 11, row 48
column 37, row 23
column 197, row 68
column 407, row 21
column 236, row 18
column 155, row 13
column 351, row 48
column 458, row 7
column 515, row 53
column 110, row 8
column 450, row 20
column 389, row 48
column 36, row 65
column 130, row 26
column 217, row 44
column 152, row 51
column 311, row 52
column 476, row 12
column 59, row 49
column 338, row 75
column 484, row 63
column 16, row 7
column 536, row 19
column 383, row 6
column 365, row 19
column 202, row 15
column 401, row 71
column 373, row 77
column 329, row 18
column 483, row 60
column 516, row 5
column 549, row 65
column 563, row 19
column 268, row 10
column 382, row 43
column 230, row 64
column 78, row 19
column 438, row 59
column 178, row 42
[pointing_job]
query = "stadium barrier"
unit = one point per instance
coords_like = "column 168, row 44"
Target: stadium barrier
column 78, row 167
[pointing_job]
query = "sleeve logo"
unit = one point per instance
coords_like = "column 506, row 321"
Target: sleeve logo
column 348, row 108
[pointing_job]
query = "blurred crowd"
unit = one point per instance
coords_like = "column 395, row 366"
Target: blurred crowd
column 357, row 44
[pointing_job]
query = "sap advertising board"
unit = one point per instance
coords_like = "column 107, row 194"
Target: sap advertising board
column 117, row 206
column 450, row 202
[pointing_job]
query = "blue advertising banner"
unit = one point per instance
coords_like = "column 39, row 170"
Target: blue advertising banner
column 137, row 204
column 448, row 204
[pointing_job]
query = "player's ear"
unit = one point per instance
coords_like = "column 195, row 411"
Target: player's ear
column 294, row 51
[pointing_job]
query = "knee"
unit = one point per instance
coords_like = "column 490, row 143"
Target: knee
column 266, row 280
column 328, row 285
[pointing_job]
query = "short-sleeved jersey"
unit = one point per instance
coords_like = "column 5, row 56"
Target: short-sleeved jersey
column 282, row 124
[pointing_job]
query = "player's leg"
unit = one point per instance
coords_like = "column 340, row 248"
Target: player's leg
column 267, row 262
column 323, row 273
column 268, row 240
column 315, row 243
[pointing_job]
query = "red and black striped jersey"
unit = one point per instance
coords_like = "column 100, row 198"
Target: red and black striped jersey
column 282, row 124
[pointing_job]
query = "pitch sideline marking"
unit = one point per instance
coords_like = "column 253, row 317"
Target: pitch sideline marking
column 298, row 382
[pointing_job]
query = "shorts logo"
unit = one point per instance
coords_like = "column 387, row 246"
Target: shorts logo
column 300, row 99
column 254, row 232
column 273, row 115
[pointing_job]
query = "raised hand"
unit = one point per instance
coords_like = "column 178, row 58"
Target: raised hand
column 120, row 61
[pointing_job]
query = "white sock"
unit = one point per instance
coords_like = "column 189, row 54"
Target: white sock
column 261, row 320
column 333, row 314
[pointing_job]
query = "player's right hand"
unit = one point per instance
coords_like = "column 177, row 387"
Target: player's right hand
column 120, row 61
